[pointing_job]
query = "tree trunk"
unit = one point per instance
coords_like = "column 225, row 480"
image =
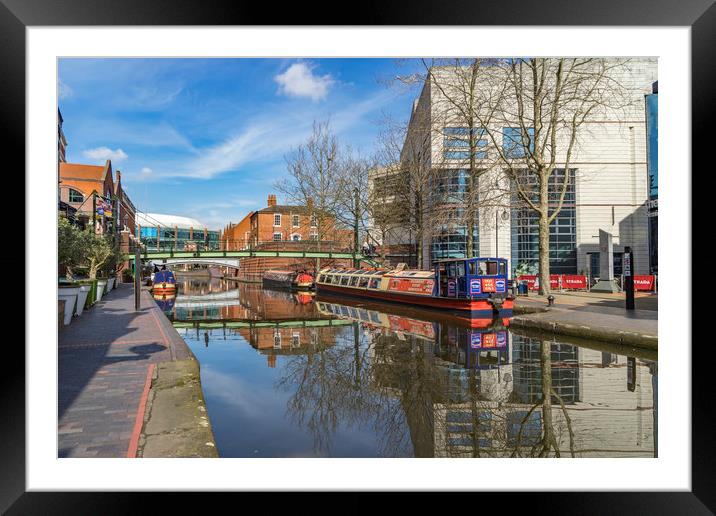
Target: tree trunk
column 546, row 366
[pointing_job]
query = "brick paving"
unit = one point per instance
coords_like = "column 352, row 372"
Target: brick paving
column 103, row 361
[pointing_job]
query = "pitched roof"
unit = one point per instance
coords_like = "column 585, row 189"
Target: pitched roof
column 79, row 171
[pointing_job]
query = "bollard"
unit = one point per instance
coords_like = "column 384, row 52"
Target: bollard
column 550, row 300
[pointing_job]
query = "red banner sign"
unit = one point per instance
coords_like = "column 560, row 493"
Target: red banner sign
column 645, row 282
column 488, row 284
column 556, row 281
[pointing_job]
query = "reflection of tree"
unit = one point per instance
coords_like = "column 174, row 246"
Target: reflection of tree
column 328, row 385
column 548, row 440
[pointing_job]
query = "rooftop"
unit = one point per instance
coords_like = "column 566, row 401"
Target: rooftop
column 162, row 219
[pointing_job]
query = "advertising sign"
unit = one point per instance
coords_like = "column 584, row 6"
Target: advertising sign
column 501, row 339
column 475, row 340
column 574, row 281
column 475, row 286
column 452, row 288
column 488, row 285
column 489, row 340
column 645, row 282
column 500, row 285
column 414, row 286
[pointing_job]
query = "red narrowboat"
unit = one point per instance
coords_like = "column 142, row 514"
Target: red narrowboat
column 288, row 280
column 472, row 287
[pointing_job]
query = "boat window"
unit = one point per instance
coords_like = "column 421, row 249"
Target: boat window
column 344, row 280
column 451, row 270
column 481, row 268
column 321, row 278
column 375, row 317
column 354, row 281
column 503, row 268
column 363, row 282
column 472, row 268
column 461, row 269
column 491, row 268
column 374, row 282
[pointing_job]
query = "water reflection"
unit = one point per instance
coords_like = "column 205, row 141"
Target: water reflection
column 285, row 377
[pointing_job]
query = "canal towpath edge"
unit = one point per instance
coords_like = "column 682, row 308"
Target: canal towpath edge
column 128, row 384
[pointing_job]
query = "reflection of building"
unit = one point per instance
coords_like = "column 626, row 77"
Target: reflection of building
column 278, row 340
column 160, row 231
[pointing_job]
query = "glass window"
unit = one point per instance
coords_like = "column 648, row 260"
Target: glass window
column 354, row 281
column 461, row 269
column 277, row 237
column 491, row 268
column 321, row 278
column 277, row 219
column 296, row 237
column 363, row 282
column 513, row 142
column 344, row 280
column 313, row 221
column 76, row 196
column 374, row 282
column 295, row 221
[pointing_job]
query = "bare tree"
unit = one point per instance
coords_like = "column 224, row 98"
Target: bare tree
column 541, row 108
column 316, row 180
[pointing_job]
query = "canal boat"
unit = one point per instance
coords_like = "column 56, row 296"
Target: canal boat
column 164, row 282
column 472, row 287
column 285, row 279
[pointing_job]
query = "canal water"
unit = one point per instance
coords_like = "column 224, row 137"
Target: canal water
column 290, row 375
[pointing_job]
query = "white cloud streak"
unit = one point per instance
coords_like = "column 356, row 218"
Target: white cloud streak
column 102, row 154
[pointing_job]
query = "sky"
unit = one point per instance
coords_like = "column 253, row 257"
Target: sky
column 207, row 138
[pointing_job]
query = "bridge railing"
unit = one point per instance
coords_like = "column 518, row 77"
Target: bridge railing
column 241, row 245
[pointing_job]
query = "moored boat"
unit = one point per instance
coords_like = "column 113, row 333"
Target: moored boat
column 472, row 287
column 285, row 279
column 164, row 282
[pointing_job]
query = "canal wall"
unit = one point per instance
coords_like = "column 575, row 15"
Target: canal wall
column 175, row 420
column 588, row 318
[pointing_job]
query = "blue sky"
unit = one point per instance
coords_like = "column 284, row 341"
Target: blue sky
column 206, row 138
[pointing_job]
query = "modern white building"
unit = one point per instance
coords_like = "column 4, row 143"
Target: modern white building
column 608, row 164
column 162, row 231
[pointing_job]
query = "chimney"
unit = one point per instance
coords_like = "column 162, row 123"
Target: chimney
column 119, row 176
column 272, row 200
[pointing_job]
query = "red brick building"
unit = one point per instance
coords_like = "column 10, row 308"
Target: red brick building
column 285, row 227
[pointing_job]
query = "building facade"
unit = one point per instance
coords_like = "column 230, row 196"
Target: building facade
column 158, row 231
column 608, row 184
column 88, row 189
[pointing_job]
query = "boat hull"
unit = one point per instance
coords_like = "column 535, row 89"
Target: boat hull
column 286, row 285
column 464, row 307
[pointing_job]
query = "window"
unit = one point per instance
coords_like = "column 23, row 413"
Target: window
column 491, row 268
column 277, row 219
column 295, row 340
column 295, row 237
column 374, row 282
column 513, row 142
column 363, row 283
column 563, row 230
column 76, row 196
column 313, row 236
column 354, row 281
column 277, row 339
column 457, row 142
column 344, row 280
column 295, row 221
column 313, row 221
column 277, row 237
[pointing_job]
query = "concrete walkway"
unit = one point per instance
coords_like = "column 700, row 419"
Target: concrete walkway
column 593, row 316
column 107, row 362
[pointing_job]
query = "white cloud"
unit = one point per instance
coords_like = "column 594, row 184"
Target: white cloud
column 299, row 81
column 63, row 90
column 146, row 171
column 104, row 153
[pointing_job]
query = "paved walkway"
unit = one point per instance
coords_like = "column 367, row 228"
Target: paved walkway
column 594, row 316
column 106, row 360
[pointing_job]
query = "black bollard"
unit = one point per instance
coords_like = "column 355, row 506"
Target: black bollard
column 628, row 268
column 550, row 300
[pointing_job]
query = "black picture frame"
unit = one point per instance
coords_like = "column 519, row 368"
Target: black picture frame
column 17, row 15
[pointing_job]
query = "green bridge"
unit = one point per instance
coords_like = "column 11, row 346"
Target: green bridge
column 316, row 323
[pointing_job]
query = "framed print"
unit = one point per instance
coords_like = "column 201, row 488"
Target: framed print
column 310, row 257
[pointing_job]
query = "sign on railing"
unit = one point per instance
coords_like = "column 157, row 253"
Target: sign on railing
column 558, row 281
column 645, row 282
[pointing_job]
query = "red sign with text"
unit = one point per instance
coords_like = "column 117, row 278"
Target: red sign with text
column 488, row 285
column 645, row 282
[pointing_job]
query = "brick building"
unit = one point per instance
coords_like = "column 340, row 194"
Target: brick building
column 86, row 186
column 286, row 227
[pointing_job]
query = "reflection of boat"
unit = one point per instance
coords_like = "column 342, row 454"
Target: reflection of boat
column 165, row 301
column 288, row 280
column 473, row 287
column 482, row 344
column 304, row 297
column 164, row 282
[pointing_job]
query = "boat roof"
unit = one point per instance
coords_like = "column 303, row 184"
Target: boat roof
column 481, row 258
